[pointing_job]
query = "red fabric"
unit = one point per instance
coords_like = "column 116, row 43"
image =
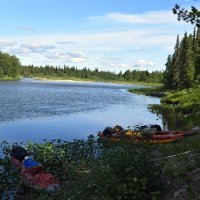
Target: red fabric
column 44, row 180
column 35, row 176
column 32, row 170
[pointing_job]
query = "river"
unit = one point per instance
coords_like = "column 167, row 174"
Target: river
column 33, row 110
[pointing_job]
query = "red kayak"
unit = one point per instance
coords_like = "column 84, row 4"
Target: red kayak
column 182, row 133
column 137, row 139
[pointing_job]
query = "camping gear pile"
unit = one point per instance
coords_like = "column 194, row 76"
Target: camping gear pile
column 150, row 134
column 32, row 172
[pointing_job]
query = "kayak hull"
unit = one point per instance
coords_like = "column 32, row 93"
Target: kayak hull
column 155, row 139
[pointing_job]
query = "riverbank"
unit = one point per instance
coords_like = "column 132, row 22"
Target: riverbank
column 9, row 78
column 73, row 79
column 187, row 100
column 159, row 171
column 157, row 91
column 179, row 109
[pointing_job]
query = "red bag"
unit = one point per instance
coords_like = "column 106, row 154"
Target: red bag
column 45, row 181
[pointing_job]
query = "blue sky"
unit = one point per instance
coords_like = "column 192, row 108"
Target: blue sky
column 110, row 35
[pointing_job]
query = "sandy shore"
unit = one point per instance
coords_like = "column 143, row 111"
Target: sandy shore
column 63, row 80
column 90, row 81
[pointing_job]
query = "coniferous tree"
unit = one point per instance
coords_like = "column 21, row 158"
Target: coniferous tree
column 192, row 16
column 194, row 44
column 197, row 54
column 168, row 73
column 127, row 75
column 175, row 69
column 186, row 68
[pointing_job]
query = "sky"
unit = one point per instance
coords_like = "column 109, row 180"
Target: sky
column 111, row 35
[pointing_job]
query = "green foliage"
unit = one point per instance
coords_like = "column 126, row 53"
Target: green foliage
column 182, row 67
column 168, row 73
column 192, row 16
column 9, row 66
column 91, row 169
column 184, row 98
column 179, row 109
column 96, row 169
column 150, row 91
column 87, row 74
column 188, row 67
column 186, row 74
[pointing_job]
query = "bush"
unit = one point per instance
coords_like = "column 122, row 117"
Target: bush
column 91, row 169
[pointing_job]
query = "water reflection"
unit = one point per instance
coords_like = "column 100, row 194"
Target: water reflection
column 176, row 120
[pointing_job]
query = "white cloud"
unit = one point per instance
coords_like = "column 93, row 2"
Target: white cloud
column 144, row 64
column 109, row 40
column 115, row 45
column 107, row 49
column 19, row 51
column 76, row 57
column 65, row 42
column 37, row 47
column 73, row 57
column 158, row 17
column 121, row 66
column 118, row 65
column 7, row 43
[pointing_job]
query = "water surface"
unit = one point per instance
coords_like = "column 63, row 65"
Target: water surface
column 36, row 110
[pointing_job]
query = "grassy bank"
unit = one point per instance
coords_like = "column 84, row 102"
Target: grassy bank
column 149, row 91
column 178, row 109
column 89, row 169
column 9, row 78
column 187, row 100
column 94, row 169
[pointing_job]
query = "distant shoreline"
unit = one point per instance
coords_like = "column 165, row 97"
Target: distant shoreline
column 9, row 79
column 94, row 81
column 57, row 79
column 62, row 80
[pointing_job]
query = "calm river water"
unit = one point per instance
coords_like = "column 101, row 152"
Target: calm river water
column 32, row 110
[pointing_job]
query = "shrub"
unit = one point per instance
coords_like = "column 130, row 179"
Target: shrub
column 92, row 169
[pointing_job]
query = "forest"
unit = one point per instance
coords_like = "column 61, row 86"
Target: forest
column 96, row 75
column 183, row 66
column 10, row 67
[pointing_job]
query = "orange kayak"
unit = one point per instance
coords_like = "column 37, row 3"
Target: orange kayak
column 155, row 139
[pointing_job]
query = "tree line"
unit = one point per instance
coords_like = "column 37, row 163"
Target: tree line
column 9, row 65
column 183, row 66
column 86, row 73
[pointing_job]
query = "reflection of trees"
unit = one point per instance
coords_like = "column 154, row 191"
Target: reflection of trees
column 173, row 119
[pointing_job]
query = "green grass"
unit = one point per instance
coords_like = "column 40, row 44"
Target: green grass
column 9, row 78
column 150, row 91
column 89, row 169
column 187, row 100
column 94, row 169
column 178, row 109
